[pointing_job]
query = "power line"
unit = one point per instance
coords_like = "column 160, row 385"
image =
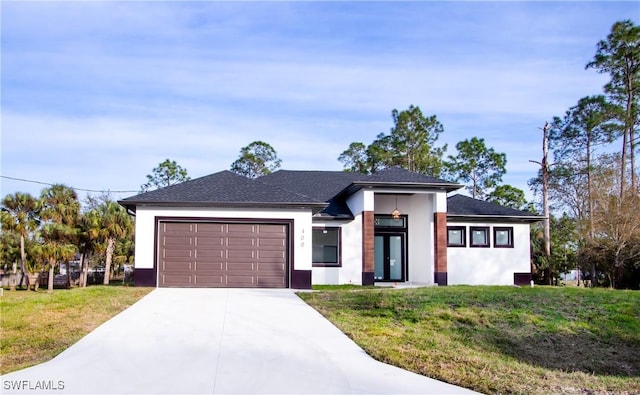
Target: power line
column 77, row 189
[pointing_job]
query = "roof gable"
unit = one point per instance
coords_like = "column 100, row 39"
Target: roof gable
column 396, row 177
column 333, row 186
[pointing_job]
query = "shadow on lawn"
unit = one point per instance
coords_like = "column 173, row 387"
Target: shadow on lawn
column 571, row 352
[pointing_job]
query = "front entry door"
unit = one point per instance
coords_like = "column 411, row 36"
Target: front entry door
column 389, row 252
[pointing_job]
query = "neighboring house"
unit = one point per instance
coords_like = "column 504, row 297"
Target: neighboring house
column 298, row 228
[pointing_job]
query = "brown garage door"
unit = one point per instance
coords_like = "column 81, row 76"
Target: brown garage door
column 198, row 254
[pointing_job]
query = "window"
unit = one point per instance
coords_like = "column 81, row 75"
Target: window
column 326, row 246
column 389, row 222
column 479, row 236
column 502, row 237
column 456, row 236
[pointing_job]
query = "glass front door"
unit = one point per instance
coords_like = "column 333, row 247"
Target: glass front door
column 389, row 255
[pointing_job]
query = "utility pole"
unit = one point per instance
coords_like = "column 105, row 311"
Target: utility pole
column 545, row 192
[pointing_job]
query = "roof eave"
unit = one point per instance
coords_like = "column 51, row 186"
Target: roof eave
column 314, row 206
column 358, row 185
column 503, row 218
column 328, row 217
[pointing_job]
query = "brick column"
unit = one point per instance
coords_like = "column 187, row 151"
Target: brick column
column 440, row 248
column 368, row 234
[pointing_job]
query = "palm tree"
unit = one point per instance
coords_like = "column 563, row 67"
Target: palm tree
column 9, row 254
column 56, row 247
column 9, row 248
column 90, row 230
column 116, row 224
column 20, row 215
column 60, row 209
column 60, row 205
column 36, row 254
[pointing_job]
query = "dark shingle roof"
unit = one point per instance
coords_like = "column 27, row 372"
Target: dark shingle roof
column 329, row 186
column 325, row 185
column 400, row 175
column 222, row 187
column 321, row 185
column 323, row 191
column 396, row 177
column 465, row 207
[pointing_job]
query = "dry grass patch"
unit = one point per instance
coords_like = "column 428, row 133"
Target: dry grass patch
column 498, row 339
column 37, row 326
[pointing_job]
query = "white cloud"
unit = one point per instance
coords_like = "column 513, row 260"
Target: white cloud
column 97, row 94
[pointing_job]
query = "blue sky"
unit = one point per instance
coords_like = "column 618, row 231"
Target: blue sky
column 96, row 94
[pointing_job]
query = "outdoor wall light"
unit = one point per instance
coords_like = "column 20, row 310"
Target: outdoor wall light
column 395, row 214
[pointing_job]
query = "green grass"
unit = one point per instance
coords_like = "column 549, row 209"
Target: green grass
column 37, row 326
column 341, row 287
column 498, row 339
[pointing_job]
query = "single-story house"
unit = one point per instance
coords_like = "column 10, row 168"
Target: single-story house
column 292, row 229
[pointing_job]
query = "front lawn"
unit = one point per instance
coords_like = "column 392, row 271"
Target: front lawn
column 498, row 339
column 37, row 326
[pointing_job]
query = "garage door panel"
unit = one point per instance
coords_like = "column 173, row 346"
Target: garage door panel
column 272, row 261
column 241, row 228
column 271, row 268
column 270, row 281
column 241, row 241
column 210, row 228
column 214, row 254
column 209, row 281
column 176, row 280
column 177, row 241
column 173, row 254
column 262, row 254
column 241, row 281
column 275, row 243
column 222, row 255
column 268, row 228
column 272, row 241
column 272, row 238
column 240, row 235
column 241, row 266
column 210, row 241
column 208, row 267
column 175, row 265
column 234, row 255
column 177, row 227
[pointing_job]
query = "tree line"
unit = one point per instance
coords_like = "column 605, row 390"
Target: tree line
column 593, row 187
column 41, row 233
column 412, row 144
column 595, row 221
column 593, row 175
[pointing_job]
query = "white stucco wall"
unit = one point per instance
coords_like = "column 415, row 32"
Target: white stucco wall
column 421, row 237
column 440, row 202
column 351, row 255
column 489, row 266
column 419, row 208
column 363, row 200
column 351, row 252
column 145, row 228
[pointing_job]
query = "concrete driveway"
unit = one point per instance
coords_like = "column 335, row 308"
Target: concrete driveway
column 218, row 341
